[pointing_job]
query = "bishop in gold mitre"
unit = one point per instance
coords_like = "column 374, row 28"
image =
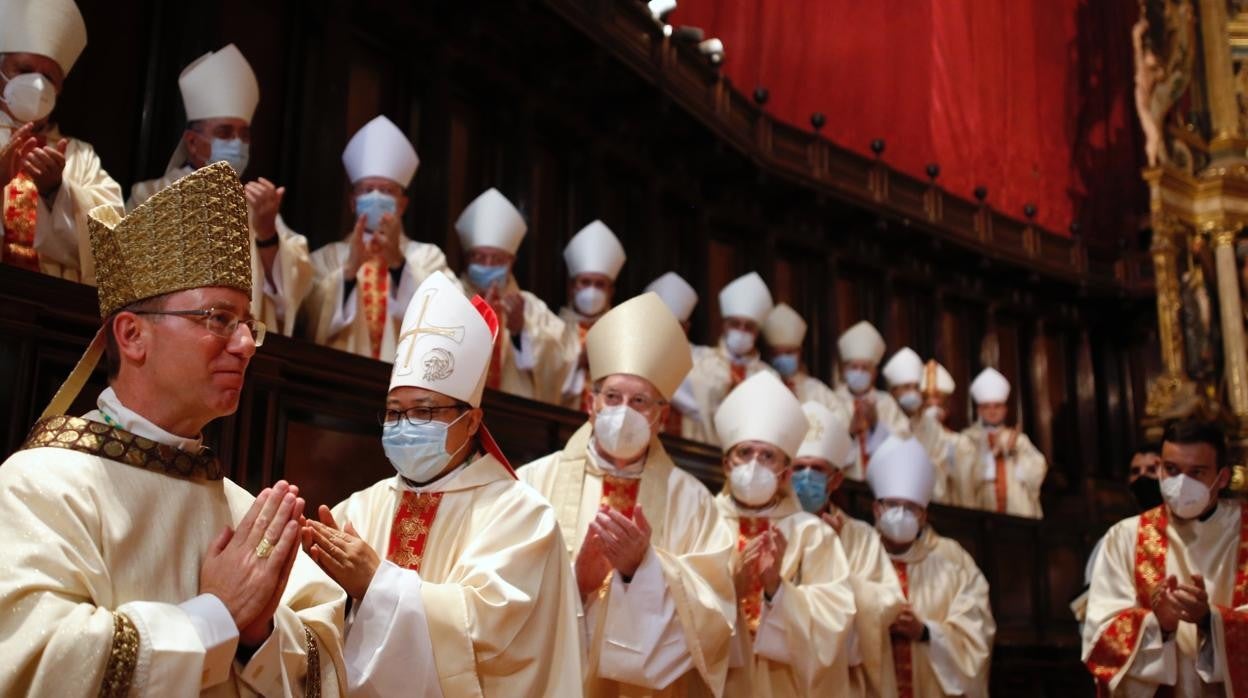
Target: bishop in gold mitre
column 651, row 551
column 133, row 566
column 474, row 595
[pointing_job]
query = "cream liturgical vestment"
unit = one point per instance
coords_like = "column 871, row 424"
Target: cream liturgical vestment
column 534, row 364
column 1004, row 477
column 106, row 520
column 475, row 595
column 794, row 644
column 952, row 454
column 890, row 420
column 715, row 373
column 1123, row 644
column 667, row 631
column 950, row 595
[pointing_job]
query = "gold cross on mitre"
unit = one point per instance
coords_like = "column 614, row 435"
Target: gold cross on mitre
column 455, row 334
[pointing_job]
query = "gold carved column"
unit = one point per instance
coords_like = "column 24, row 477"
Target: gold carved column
column 1235, row 363
column 1165, row 247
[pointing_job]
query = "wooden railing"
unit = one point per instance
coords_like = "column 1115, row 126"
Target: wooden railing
column 308, row 414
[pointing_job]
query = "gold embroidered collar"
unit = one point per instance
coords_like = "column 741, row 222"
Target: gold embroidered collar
column 98, row 439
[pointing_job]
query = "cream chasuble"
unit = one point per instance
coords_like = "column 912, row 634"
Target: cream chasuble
column 275, row 300
column 1009, row 484
column 475, row 590
column 952, row 454
column 58, row 231
column 715, row 373
column 536, row 369
column 889, row 420
column 795, row 644
column 103, row 560
column 342, row 321
column 950, row 596
column 878, row 599
column 1123, row 645
column 576, row 390
column 667, row 632
column 807, row 388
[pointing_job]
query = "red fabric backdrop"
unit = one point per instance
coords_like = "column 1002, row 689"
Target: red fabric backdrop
column 1029, row 98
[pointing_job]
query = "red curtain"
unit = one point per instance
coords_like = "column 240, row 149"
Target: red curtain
column 1029, row 98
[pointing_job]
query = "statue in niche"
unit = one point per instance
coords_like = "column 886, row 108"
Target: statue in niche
column 1201, row 337
column 1161, row 79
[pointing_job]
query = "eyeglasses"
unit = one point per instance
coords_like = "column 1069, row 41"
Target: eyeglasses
column 412, row 415
column 640, row 403
column 219, row 321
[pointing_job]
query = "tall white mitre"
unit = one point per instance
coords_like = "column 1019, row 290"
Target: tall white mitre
column 446, row 342
column 827, row 436
column 640, row 337
column 989, row 387
column 862, row 342
column 761, row 408
column 491, row 221
column 746, row 297
column 679, row 296
column 380, row 149
column 784, row 327
column 900, row 469
column 594, row 250
column 218, row 85
column 52, row 28
column 904, row 368
column 936, row 378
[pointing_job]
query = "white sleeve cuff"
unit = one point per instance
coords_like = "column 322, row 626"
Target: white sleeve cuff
column 344, row 310
column 772, row 641
column 575, row 382
column 878, row 436
column 401, row 296
column 173, row 658
column 944, row 663
column 218, row 634
column 1156, row 659
column 525, row 356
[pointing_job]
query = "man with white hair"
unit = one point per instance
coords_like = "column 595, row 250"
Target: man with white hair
column 743, row 305
column 911, row 382
column 794, row 599
column 818, row 471
column 1008, row 470
column 942, row 639
column 530, row 358
column 220, row 94
column 785, row 330
column 874, row 414
column 475, row 594
column 48, row 181
column 594, row 257
column 681, row 299
column 651, row 551
column 364, row 283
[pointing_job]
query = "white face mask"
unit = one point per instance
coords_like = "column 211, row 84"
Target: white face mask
column 898, row 524
column 29, row 96
column 621, row 431
column 858, row 380
column 910, row 401
column 739, row 342
column 752, row 484
column 1186, row 496
column 590, row 300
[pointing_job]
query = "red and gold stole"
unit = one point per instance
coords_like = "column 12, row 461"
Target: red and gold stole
column 736, row 374
column 21, row 210
column 903, row 665
column 1001, row 487
column 1235, row 623
column 752, row 605
column 620, row 493
column 410, row 531
column 587, row 389
column 374, row 292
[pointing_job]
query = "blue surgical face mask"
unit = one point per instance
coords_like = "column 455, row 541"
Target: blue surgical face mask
column 485, row 276
column 418, row 451
column 373, row 205
column 233, row 151
column 858, row 380
column 811, row 487
column 785, row 364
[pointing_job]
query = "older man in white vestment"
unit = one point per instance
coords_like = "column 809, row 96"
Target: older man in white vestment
column 785, row 330
column 744, row 306
column 219, row 95
column 594, row 257
column 48, row 181
column 651, row 551
column 1168, row 608
column 475, row 594
column 942, row 639
column 873, row 414
column 1008, row 470
column 531, row 357
column 794, row 597
column 818, row 470
column 365, row 282
column 132, row 566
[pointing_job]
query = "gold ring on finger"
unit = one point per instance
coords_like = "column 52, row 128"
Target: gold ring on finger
column 264, row 548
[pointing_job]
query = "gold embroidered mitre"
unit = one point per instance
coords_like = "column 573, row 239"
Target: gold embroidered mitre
column 192, row 234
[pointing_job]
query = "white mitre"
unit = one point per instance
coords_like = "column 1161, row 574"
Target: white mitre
column 491, row 221
column 52, row 28
column 900, row 469
column 761, row 408
column 594, row 250
column 827, row 436
column 446, row 342
column 989, row 387
column 679, row 296
column 862, row 342
column 904, row 368
column 380, row 149
column 746, row 297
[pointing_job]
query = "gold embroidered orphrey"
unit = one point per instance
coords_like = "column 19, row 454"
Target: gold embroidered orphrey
column 455, row 334
column 104, row 441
